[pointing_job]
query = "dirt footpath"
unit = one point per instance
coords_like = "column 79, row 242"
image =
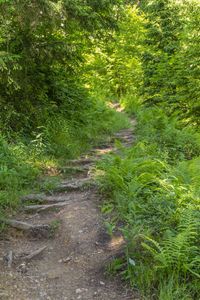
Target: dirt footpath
column 64, row 260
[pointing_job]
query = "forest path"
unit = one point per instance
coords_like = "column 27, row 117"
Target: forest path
column 72, row 264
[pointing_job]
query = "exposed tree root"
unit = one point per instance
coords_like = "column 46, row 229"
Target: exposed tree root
column 39, row 208
column 43, row 197
column 35, row 253
column 41, row 230
column 75, row 184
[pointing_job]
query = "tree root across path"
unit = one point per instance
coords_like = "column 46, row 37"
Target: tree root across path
column 69, row 263
column 32, row 230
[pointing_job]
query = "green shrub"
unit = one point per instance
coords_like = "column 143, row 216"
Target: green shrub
column 168, row 132
column 24, row 157
column 154, row 187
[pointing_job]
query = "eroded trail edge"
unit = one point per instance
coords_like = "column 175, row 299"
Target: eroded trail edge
column 59, row 249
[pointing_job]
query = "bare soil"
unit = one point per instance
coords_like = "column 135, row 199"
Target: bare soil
column 78, row 247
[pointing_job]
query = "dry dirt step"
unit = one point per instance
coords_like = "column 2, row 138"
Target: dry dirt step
column 76, row 168
column 125, row 138
column 65, row 185
column 73, row 185
column 30, row 229
column 104, row 145
column 123, row 135
column 81, row 161
column 45, row 198
column 40, row 208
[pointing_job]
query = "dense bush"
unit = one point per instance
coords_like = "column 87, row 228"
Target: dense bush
column 154, row 190
column 17, row 171
column 24, row 157
column 46, row 112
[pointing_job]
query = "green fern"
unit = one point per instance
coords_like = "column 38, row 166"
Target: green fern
column 178, row 253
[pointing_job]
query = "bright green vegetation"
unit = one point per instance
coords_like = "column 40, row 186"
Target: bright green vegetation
column 47, row 113
column 152, row 190
column 156, row 192
column 23, row 159
column 60, row 62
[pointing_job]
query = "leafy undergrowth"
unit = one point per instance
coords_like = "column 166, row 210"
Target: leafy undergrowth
column 154, row 190
column 23, row 159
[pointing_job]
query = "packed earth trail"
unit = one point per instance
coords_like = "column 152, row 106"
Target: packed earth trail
column 58, row 250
